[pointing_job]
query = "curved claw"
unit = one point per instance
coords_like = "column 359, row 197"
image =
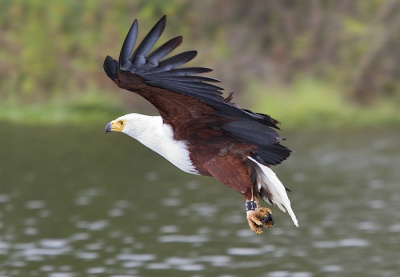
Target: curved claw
column 267, row 218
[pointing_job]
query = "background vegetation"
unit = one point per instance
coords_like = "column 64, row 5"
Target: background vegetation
column 307, row 63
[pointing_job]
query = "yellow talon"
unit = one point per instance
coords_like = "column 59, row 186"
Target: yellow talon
column 255, row 218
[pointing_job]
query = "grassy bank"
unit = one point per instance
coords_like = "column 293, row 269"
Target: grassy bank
column 88, row 107
column 304, row 104
column 313, row 105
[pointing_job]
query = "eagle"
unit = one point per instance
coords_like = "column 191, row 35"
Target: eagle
column 198, row 130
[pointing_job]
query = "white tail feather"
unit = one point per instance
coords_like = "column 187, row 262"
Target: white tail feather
column 276, row 188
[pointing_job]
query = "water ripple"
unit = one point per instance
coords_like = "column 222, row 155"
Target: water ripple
column 341, row 243
column 96, row 270
column 332, row 268
column 4, row 198
column 191, row 267
column 394, row 228
column 158, row 266
column 53, row 243
column 87, row 255
column 182, row 238
column 216, row 260
column 279, row 274
column 4, row 245
column 35, row 204
column 132, row 264
column 136, row 257
column 179, row 261
column 244, row 251
column 45, row 251
column 169, row 229
column 61, row 274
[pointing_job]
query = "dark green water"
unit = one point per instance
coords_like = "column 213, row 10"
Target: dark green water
column 75, row 202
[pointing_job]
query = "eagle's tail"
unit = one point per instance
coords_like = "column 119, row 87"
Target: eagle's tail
column 271, row 189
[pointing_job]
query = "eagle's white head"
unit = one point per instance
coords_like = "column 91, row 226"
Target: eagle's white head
column 132, row 124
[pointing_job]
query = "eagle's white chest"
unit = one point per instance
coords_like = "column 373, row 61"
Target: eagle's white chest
column 151, row 132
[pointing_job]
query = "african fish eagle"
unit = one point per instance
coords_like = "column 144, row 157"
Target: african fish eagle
column 198, row 130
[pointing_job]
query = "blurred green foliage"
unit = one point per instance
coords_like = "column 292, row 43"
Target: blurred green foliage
column 55, row 49
column 56, row 46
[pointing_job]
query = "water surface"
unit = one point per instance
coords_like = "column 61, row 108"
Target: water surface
column 75, row 202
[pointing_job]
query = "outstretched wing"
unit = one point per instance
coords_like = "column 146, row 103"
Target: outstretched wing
column 188, row 102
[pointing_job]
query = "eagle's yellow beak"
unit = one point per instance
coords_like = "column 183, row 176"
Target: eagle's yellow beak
column 115, row 126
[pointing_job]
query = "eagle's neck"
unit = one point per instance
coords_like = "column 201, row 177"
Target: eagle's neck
column 153, row 133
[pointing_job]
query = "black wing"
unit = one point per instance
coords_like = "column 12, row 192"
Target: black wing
column 156, row 72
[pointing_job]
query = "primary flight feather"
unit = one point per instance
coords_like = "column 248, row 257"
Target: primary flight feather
column 198, row 130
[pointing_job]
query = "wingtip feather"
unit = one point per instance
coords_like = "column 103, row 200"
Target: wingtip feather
column 138, row 57
column 128, row 45
column 110, row 67
column 164, row 50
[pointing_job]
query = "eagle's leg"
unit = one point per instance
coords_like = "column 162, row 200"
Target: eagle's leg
column 258, row 217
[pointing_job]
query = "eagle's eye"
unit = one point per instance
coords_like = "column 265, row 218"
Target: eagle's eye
column 121, row 122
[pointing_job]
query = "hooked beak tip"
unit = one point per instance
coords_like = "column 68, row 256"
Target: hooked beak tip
column 108, row 127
